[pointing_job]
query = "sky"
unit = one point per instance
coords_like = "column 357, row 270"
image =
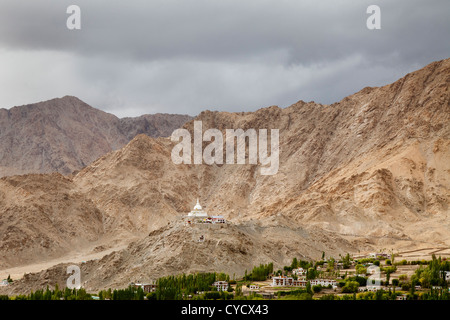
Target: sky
column 146, row 56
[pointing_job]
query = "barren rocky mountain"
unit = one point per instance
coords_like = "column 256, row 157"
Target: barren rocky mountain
column 174, row 248
column 369, row 172
column 41, row 216
column 65, row 134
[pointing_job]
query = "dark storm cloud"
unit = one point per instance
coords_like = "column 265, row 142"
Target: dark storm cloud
column 134, row 57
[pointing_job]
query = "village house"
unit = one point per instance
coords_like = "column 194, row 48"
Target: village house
column 148, row 287
column 253, row 287
column 324, row 283
column 299, row 272
column 401, row 297
column 217, row 219
column 379, row 255
column 4, row 282
column 283, row 281
column 221, row 285
column 371, row 288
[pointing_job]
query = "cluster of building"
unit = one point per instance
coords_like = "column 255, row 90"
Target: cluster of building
column 151, row 287
column 147, row 287
column 285, row 281
column 299, row 272
column 221, row 285
column 371, row 288
column 379, row 255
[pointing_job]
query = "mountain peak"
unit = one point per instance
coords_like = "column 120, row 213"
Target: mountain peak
column 66, row 134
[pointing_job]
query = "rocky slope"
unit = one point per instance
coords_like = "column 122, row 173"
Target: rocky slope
column 366, row 173
column 65, row 134
column 374, row 164
column 42, row 216
column 230, row 248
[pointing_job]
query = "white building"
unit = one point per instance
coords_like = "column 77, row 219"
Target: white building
column 4, row 283
column 372, row 288
column 299, row 272
column 446, row 275
column 379, row 255
column 217, row 219
column 146, row 287
column 324, row 283
column 283, row 281
column 221, row 285
column 197, row 212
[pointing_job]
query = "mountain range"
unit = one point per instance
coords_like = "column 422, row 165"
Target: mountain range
column 65, row 134
column 370, row 172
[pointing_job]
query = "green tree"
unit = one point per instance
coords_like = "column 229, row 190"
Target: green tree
column 308, row 288
column 317, row 289
column 360, row 269
column 331, row 262
column 239, row 290
column 294, row 264
column 311, row 274
column 346, row 261
column 350, row 287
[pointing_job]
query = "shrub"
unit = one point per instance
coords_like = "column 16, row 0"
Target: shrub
column 329, row 297
column 405, row 286
column 214, row 295
column 350, row 287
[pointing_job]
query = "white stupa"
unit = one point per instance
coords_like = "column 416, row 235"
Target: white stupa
column 198, row 211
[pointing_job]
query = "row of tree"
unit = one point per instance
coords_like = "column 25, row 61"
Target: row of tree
column 56, row 294
column 259, row 273
column 178, row 287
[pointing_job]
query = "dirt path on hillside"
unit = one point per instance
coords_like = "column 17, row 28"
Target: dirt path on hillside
column 75, row 257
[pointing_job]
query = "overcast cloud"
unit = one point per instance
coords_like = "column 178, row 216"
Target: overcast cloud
column 137, row 57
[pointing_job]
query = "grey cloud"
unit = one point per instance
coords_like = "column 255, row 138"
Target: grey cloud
column 134, row 57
